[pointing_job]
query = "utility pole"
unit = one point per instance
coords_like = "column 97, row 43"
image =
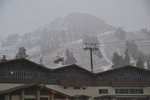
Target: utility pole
column 91, row 47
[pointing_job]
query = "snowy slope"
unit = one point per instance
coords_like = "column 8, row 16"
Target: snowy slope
column 67, row 33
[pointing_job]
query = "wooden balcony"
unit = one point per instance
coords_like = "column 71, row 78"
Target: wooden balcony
column 130, row 84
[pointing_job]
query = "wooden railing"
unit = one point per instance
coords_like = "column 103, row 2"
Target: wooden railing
column 130, row 84
column 74, row 83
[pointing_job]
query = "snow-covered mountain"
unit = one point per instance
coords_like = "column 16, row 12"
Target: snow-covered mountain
column 68, row 33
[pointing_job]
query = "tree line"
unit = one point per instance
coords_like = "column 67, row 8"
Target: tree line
column 132, row 53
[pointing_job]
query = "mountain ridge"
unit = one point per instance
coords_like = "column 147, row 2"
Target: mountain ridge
column 68, row 33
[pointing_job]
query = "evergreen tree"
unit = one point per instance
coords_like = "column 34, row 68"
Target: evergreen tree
column 70, row 59
column 117, row 60
column 4, row 58
column 149, row 56
column 142, row 56
column 148, row 65
column 145, row 30
column 22, row 53
column 127, row 58
column 98, row 54
column 140, row 63
column 121, row 61
column 132, row 49
column 114, row 60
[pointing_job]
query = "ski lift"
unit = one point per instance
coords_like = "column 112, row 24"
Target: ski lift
column 58, row 59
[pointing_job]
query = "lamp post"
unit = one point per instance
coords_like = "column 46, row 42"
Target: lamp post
column 91, row 47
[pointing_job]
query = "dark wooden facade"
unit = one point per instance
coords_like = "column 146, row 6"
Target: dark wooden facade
column 25, row 71
column 127, row 76
column 35, row 91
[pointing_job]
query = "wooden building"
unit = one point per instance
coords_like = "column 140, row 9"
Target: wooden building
column 31, row 92
column 71, row 82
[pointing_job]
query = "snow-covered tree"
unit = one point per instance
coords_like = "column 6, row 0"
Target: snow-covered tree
column 70, row 59
column 21, row 53
column 117, row 60
column 127, row 58
column 148, row 64
column 132, row 49
column 140, row 63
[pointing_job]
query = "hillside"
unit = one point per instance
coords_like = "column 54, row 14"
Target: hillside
column 69, row 33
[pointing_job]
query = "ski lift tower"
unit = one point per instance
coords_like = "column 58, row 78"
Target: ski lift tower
column 91, row 47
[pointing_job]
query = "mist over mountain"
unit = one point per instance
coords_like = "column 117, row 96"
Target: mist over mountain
column 69, row 32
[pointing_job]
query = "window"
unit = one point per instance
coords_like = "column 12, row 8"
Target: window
column 54, row 76
column 76, row 87
column 103, row 91
column 127, row 78
column 29, row 99
column 4, row 74
column 101, row 79
column 65, row 87
column 30, row 91
column 28, row 75
column 84, row 88
column 136, row 91
column 40, row 75
column 44, row 98
column 16, row 74
column 129, row 91
column 122, row 91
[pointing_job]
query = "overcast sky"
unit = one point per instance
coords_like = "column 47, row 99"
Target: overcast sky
column 20, row 16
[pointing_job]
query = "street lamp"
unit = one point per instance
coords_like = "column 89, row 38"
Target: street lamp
column 91, row 47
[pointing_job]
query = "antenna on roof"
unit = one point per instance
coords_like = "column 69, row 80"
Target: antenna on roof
column 41, row 61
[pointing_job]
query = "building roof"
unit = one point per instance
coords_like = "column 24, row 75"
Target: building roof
column 68, row 66
column 73, row 65
column 8, row 91
column 124, row 67
column 42, row 66
column 25, row 60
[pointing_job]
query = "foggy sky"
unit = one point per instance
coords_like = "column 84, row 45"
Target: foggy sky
column 20, row 16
